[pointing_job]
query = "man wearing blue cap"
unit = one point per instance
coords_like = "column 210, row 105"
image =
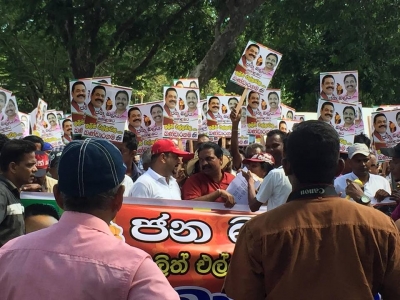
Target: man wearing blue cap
column 79, row 258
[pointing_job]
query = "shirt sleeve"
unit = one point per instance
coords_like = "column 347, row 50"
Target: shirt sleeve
column 191, row 189
column 140, row 190
column 245, row 278
column 267, row 188
column 339, row 187
column 150, row 283
column 390, row 289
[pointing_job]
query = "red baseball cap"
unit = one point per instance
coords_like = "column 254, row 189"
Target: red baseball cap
column 261, row 157
column 166, row 145
column 42, row 163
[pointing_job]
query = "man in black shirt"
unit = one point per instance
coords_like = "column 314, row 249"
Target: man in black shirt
column 18, row 166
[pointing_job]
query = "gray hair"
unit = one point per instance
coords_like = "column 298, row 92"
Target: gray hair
column 100, row 201
column 252, row 147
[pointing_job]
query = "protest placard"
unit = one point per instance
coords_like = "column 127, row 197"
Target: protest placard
column 192, row 83
column 80, row 95
column 262, row 111
column 339, row 86
column 51, row 131
column 107, row 112
column 287, row 112
column 286, row 125
column 10, row 124
column 203, row 108
column 256, row 67
column 218, row 120
column 25, row 123
column 145, row 121
column 342, row 116
column 181, row 116
column 385, row 130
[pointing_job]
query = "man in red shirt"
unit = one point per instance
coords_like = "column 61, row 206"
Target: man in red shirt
column 211, row 182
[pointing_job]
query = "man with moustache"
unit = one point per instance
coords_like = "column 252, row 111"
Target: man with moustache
column 211, row 182
column 3, row 101
column 52, row 119
column 328, row 87
column 67, row 129
column 213, row 114
column 380, row 135
column 252, row 107
column 156, row 112
column 122, row 101
column 326, row 112
column 247, row 60
column 350, row 84
column 191, row 102
column 11, row 112
column 97, row 98
column 158, row 181
column 78, row 93
column 232, row 103
column 171, row 98
column 273, row 101
column 18, row 166
column 135, row 123
column 349, row 115
column 271, row 60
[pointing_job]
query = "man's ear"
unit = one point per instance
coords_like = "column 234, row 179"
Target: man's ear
column 133, row 154
column 340, row 167
column 287, row 167
column 58, row 197
column 12, row 167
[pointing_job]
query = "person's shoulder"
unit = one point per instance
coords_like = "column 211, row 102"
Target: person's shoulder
column 342, row 178
column 378, row 178
column 229, row 176
column 51, row 180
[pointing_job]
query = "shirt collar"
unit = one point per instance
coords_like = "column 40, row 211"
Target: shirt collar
column 11, row 186
column 153, row 174
column 88, row 220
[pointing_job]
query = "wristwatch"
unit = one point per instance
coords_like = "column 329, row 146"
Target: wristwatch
column 364, row 200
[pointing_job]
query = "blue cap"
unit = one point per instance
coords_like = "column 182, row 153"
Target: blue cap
column 90, row 167
column 47, row 146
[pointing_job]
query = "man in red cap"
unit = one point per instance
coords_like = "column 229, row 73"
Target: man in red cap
column 158, row 181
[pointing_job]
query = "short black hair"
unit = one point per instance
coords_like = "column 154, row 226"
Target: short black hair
column 132, row 109
column 97, row 87
column 233, row 98
column 379, row 115
column 178, row 82
column 193, row 82
column 253, row 92
column 349, row 107
column 252, row 147
column 122, row 92
column 379, row 109
column 282, row 134
column 362, row 139
column 281, row 122
column 76, row 83
column 350, row 75
column 327, row 103
column 397, row 115
column 34, row 139
column 191, row 91
column 65, row 121
column 273, row 54
column 130, row 140
column 171, row 89
column 40, row 209
column 14, row 151
column 253, row 45
column 3, row 139
column 327, row 76
column 213, row 97
column 51, row 114
column 154, row 106
column 210, row 145
column 273, row 93
column 312, row 150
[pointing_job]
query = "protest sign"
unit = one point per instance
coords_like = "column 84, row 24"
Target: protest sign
column 192, row 83
column 4, row 96
column 262, row 111
column 286, row 125
column 339, row 86
column 385, row 131
column 80, row 94
column 25, row 123
column 218, row 114
column 342, row 116
column 106, row 112
column 203, row 107
column 181, row 116
column 256, row 67
column 145, row 120
column 51, row 131
column 287, row 112
column 60, row 117
column 10, row 124
column 190, row 241
column 300, row 118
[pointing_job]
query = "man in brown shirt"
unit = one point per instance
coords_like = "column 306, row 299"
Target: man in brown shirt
column 317, row 245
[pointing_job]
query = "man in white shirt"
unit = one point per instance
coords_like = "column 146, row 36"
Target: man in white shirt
column 375, row 187
column 276, row 187
column 158, row 182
